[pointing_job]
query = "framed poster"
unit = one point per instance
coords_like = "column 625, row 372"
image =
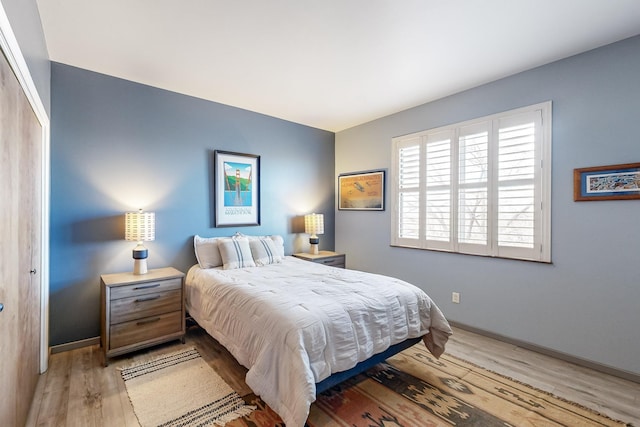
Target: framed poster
column 615, row 182
column 361, row 191
column 237, row 189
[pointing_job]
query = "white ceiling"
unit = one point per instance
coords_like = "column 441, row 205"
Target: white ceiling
column 330, row 64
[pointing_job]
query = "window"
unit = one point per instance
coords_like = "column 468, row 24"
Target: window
column 479, row 187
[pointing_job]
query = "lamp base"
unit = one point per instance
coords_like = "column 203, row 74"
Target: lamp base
column 140, row 254
column 313, row 249
column 140, row 266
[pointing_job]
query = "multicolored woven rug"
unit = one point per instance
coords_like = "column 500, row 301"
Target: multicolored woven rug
column 413, row 389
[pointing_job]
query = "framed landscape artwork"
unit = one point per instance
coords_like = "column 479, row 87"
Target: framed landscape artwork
column 361, row 191
column 237, row 189
column 614, row 182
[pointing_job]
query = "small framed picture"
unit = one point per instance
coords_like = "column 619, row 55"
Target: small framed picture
column 237, row 189
column 614, row 182
column 361, row 191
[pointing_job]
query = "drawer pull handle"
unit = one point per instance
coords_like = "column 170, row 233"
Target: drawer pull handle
column 145, row 322
column 147, row 299
column 155, row 285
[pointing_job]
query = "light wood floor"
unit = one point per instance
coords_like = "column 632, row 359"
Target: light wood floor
column 78, row 391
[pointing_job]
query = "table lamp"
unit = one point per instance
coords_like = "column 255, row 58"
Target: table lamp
column 140, row 227
column 314, row 225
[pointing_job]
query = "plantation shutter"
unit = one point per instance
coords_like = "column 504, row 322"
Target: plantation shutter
column 518, row 195
column 473, row 188
column 408, row 186
column 438, row 190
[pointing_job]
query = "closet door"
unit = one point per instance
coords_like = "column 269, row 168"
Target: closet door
column 20, row 248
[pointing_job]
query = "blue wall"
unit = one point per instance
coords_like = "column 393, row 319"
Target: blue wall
column 117, row 146
column 586, row 303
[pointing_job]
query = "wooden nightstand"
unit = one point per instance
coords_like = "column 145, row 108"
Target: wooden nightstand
column 139, row 311
column 333, row 259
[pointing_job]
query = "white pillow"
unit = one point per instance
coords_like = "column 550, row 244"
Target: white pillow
column 278, row 240
column 235, row 253
column 207, row 252
column 264, row 251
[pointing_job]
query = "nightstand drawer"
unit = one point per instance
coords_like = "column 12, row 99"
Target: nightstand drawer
column 148, row 328
column 145, row 305
column 336, row 261
column 136, row 289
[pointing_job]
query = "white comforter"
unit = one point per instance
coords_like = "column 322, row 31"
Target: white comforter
column 293, row 324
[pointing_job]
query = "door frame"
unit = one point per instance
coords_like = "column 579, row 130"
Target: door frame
column 9, row 45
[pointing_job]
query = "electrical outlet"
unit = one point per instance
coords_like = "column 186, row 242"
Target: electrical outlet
column 455, row 297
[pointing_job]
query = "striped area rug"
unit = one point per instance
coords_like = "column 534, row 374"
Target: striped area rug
column 181, row 389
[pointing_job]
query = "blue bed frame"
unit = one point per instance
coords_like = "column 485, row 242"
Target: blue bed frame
column 339, row 377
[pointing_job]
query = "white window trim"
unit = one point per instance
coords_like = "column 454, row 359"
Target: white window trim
column 542, row 252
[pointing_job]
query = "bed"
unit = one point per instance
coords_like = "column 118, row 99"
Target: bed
column 301, row 327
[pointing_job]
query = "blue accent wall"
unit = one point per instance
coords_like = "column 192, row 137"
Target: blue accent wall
column 117, row 146
column 584, row 304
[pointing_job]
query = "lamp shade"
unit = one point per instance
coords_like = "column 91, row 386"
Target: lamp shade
column 314, row 224
column 140, row 226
